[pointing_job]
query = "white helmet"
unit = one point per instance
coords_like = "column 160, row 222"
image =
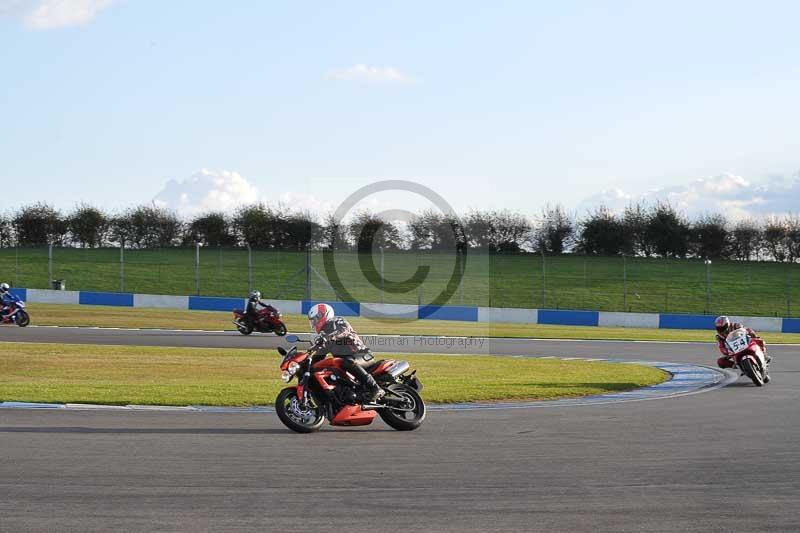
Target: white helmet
column 255, row 295
column 319, row 315
column 4, row 288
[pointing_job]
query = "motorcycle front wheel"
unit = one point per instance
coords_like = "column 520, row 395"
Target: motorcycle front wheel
column 753, row 372
column 280, row 329
column 297, row 417
column 406, row 414
column 23, row 319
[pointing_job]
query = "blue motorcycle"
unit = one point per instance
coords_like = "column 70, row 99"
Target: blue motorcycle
column 15, row 312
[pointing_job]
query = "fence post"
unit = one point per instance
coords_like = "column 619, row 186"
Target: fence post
column 50, row 264
column 122, row 266
column 16, row 264
column 708, row 285
column 382, row 273
column 249, row 269
column 789, row 290
column 308, row 274
column 197, row 268
column 462, row 264
column 624, row 283
column 544, row 279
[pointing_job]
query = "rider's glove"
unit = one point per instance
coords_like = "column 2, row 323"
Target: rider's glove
column 319, row 340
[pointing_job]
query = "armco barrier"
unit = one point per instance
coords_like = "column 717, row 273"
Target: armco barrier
column 120, row 299
column 569, row 318
column 408, row 312
column 437, row 312
column 22, row 294
column 206, row 303
column 791, row 325
column 340, row 308
column 686, row 322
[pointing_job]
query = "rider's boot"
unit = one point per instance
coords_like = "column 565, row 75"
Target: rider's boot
column 374, row 391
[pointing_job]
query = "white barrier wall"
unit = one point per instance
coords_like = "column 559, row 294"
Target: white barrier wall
column 161, row 301
column 47, row 296
column 399, row 311
column 760, row 323
column 508, row 315
column 627, row 320
column 288, row 307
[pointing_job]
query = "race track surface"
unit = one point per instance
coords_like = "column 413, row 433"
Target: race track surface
column 725, row 460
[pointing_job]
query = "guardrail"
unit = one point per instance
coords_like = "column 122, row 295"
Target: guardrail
column 425, row 312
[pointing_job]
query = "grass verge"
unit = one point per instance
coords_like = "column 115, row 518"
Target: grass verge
column 127, row 317
column 118, row 375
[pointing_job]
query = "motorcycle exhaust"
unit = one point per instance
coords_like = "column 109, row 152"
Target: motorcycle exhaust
column 398, row 368
column 237, row 323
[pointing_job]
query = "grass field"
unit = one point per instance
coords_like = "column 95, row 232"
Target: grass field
column 523, row 280
column 178, row 376
column 126, row 317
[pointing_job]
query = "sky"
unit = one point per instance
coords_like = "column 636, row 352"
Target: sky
column 207, row 105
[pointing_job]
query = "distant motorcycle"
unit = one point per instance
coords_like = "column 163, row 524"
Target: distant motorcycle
column 266, row 321
column 749, row 355
column 326, row 390
column 16, row 313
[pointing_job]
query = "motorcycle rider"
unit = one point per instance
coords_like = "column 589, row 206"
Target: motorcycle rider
column 253, row 304
column 724, row 326
column 5, row 298
column 337, row 337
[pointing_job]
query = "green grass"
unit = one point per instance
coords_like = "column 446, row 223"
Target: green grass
column 126, row 317
column 117, row 375
column 570, row 282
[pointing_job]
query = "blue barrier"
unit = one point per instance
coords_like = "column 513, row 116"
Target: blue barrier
column 340, row 308
column 448, row 312
column 120, row 299
column 791, row 325
column 569, row 318
column 208, row 303
column 20, row 293
column 686, row 321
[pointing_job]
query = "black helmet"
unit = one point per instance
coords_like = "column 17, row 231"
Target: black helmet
column 723, row 324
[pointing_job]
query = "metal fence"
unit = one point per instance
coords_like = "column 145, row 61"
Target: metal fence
column 632, row 284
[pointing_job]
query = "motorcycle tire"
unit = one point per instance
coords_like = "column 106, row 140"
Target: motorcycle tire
column 753, row 372
column 23, row 319
column 291, row 418
column 406, row 420
column 280, row 329
column 245, row 330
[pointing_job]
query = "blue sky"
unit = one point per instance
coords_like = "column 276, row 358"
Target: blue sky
column 501, row 104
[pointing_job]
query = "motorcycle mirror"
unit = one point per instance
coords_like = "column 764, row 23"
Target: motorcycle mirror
column 281, row 351
column 292, row 338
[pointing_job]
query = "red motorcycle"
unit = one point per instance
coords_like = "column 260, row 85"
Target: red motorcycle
column 268, row 320
column 749, row 355
column 326, row 390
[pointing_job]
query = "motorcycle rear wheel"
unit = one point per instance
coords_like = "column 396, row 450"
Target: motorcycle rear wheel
column 293, row 416
column 245, row 330
column 413, row 409
column 752, row 371
column 23, row 319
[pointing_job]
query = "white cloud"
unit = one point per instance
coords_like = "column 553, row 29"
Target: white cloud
column 729, row 194
column 207, row 191
column 227, row 191
column 370, row 74
column 50, row 14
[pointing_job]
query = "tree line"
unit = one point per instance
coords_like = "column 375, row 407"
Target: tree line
column 640, row 230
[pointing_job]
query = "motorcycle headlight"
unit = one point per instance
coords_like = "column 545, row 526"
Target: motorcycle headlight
column 290, row 372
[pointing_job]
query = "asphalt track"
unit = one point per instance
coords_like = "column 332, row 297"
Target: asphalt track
column 725, row 460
